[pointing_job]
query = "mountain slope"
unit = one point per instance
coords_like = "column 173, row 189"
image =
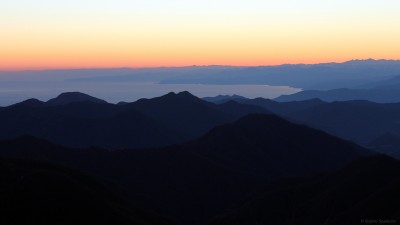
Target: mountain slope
column 78, row 120
column 187, row 114
column 85, row 124
column 193, row 182
column 40, row 194
column 381, row 95
column 359, row 121
column 265, row 142
column 239, row 110
column 29, row 102
column 73, row 97
column 282, row 108
column 366, row 190
column 388, row 144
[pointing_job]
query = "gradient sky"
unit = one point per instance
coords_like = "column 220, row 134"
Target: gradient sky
column 143, row 33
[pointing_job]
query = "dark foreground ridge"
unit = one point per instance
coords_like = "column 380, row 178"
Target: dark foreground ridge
column 366, row 190
column 195, row 182
column 41, row 193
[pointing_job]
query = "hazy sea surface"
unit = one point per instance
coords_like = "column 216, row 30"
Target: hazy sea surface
column 113, row 92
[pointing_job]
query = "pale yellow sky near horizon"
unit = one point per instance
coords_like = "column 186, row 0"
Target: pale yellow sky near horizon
column 122, row 33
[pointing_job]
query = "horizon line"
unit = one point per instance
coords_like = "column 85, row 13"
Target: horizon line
column 183, row 66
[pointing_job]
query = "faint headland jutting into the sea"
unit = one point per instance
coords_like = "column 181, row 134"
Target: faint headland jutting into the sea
column 263, row 81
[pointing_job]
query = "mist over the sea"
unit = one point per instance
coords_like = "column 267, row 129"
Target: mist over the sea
column 115, row 92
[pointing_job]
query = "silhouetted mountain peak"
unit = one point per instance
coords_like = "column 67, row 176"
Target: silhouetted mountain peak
column 224, row 98
column 270, row 128
column 170, row 94
column 184, row 96
column 313, row 100
column 271, row 142
column 71, row 97
column 30, row 102
column 370, row 61
column 259, row 99
column 268, row 124
column 185, row 93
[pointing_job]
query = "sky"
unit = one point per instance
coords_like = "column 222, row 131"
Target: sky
column 45, row 34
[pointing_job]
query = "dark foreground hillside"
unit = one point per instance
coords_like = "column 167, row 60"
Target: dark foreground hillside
column 40, row 193
column 366, row 191
column 195, row 182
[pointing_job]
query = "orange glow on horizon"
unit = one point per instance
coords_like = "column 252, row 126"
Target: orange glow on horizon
column 113, row 34
column 105, row 63
column 67, row 66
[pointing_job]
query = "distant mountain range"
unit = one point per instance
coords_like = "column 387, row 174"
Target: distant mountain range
column 79, row 120
column 181, row 160
column 360, row 121
column 186, row 184
column 223, row 98
column 323, row 76
column 384, row 91
column 381, row 95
